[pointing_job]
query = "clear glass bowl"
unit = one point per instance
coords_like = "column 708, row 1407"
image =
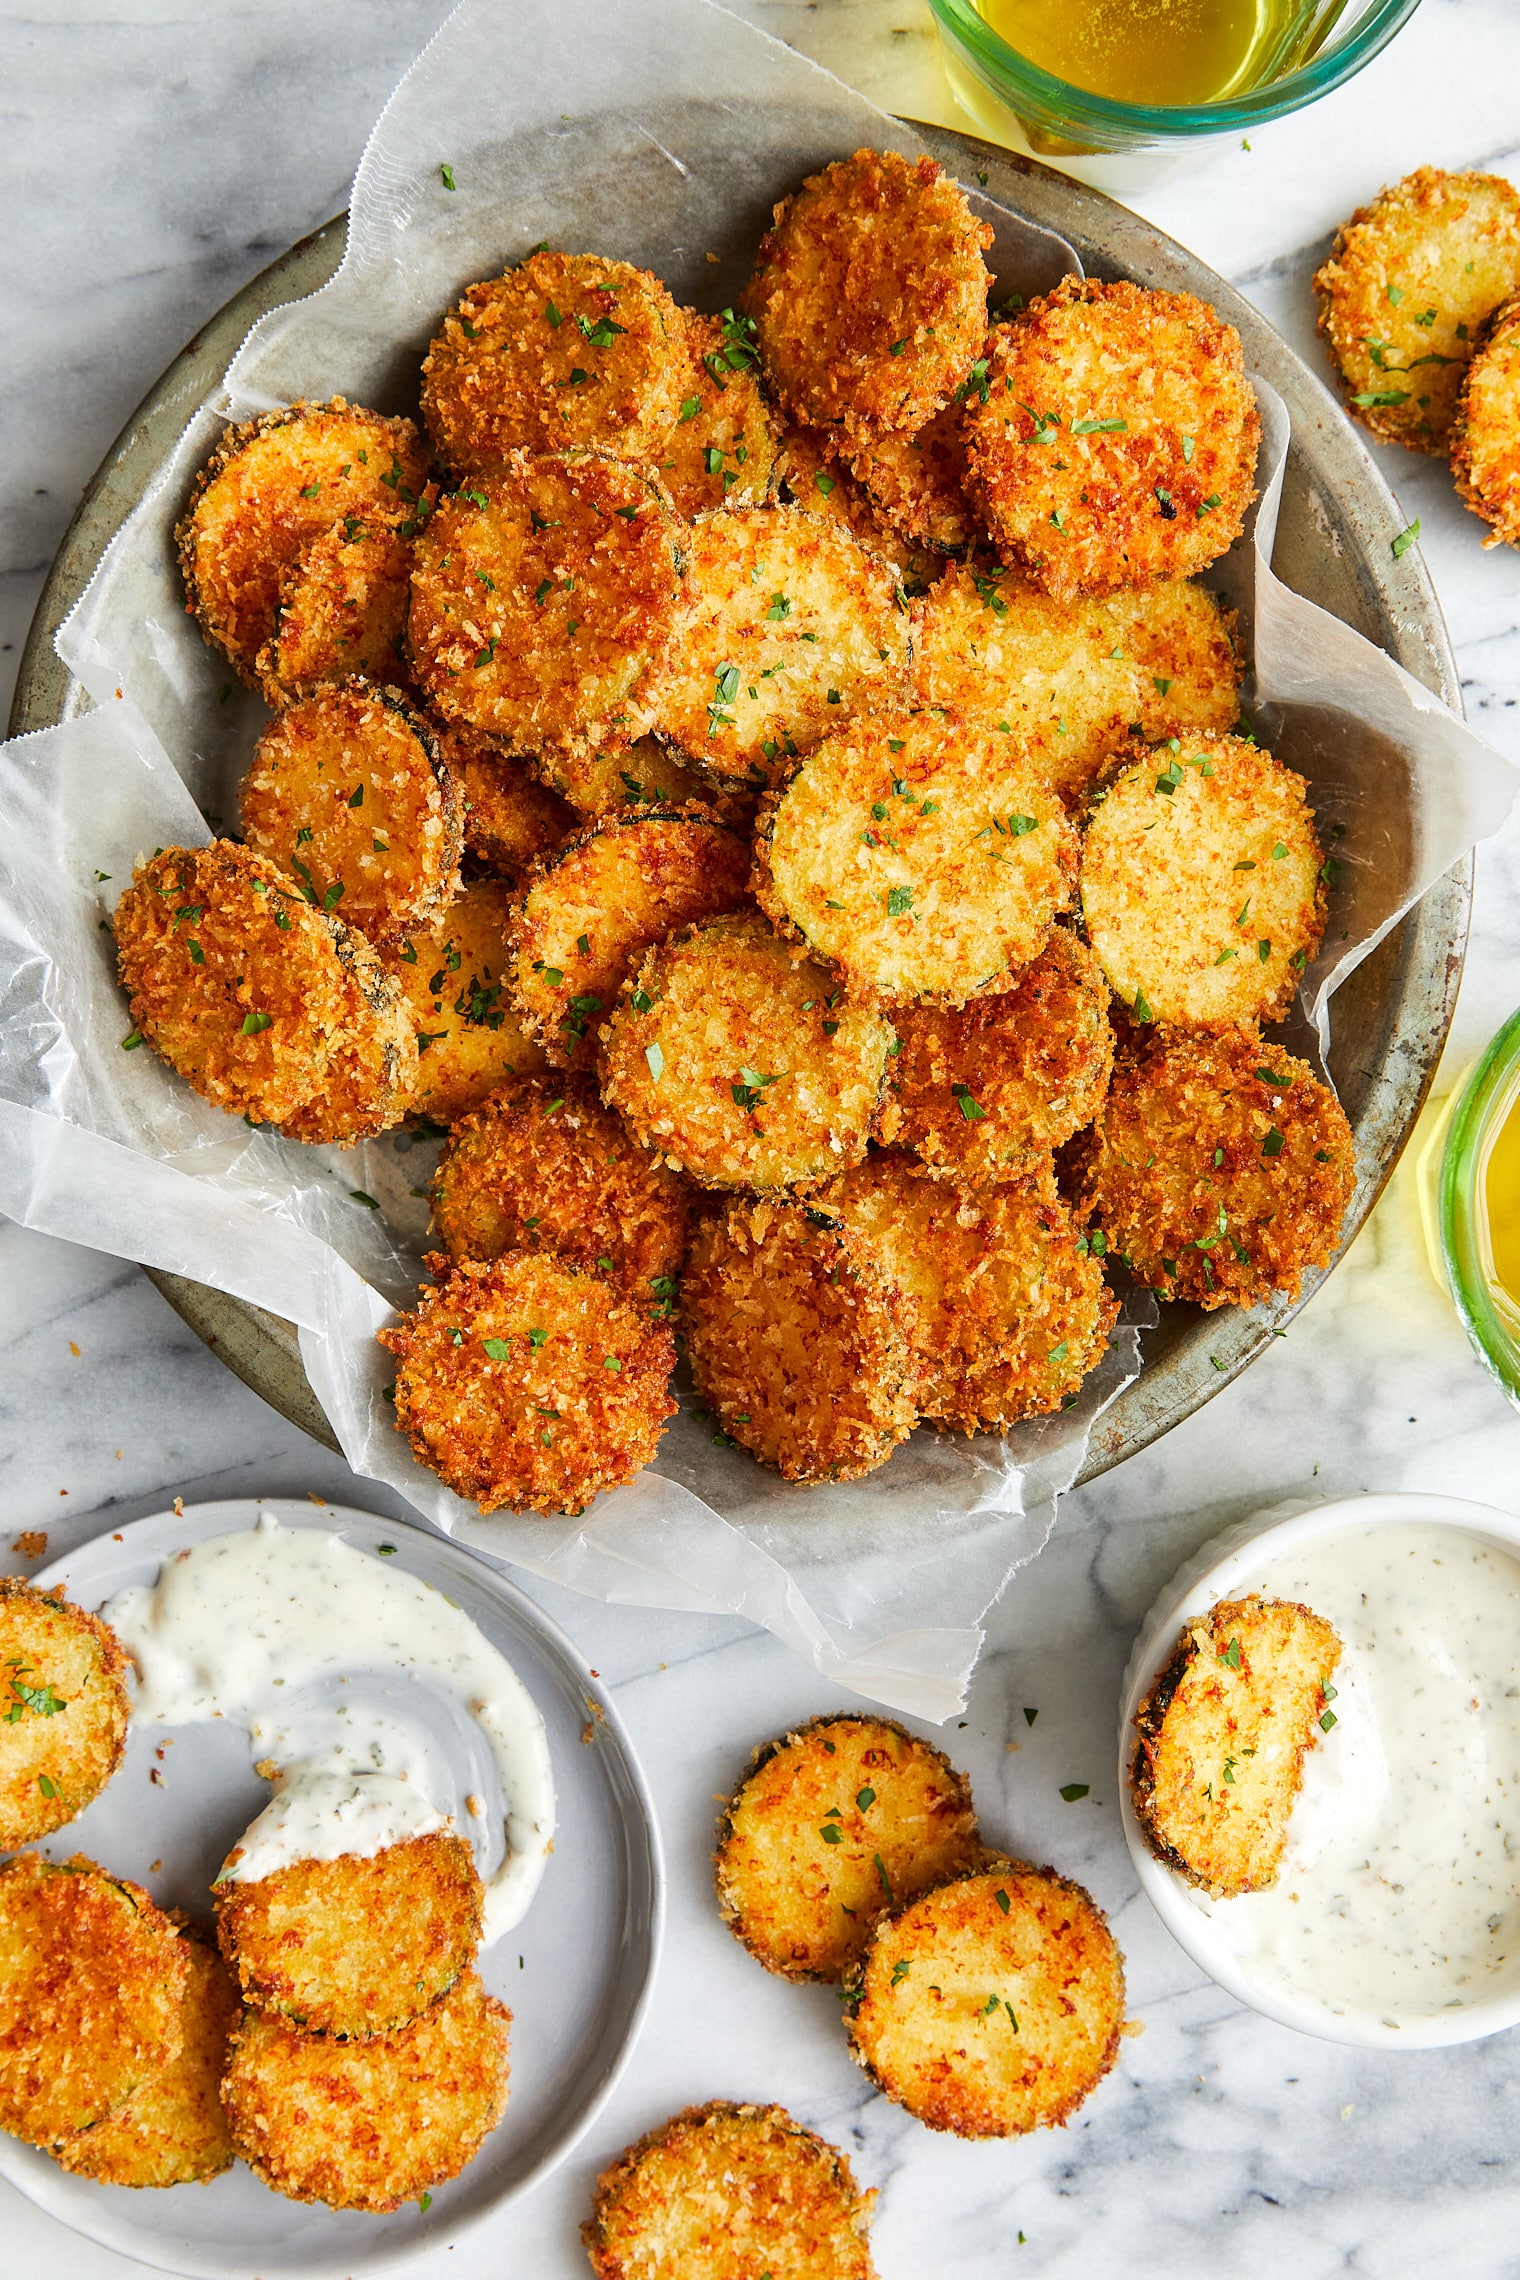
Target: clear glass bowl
column 1121, row 146
column 1454, row 1180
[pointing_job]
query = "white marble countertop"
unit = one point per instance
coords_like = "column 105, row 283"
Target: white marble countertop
column 156, row 154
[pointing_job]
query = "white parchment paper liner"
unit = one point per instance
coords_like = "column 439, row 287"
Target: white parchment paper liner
column 660, row 134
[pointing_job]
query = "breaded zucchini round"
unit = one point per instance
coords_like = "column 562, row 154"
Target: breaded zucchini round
column 342, row 607
column 832, row 1826
column 814, row 477
column 510, row 818
column 529, row 1383
column 724, row 2192
column 356, row 1946
column 788, row 625
column 1006, row 1314
column 1202, row 883
column 172, row 2131
column 1219, row 1168
column 469, row 1036
column 368, row 2125
column 92, row 1983
column 917, row 482
column 643, row 774
column 796, row 1341
column 348, row 794
column 723, row 449
column 739, row 1062
column 1408, row 284
column 541, row 597
column 988, row 1090
column 257, row 999
column 1116, row 443
column 924, row 858
column 372, row 1073
column 870, row 294
column 1485, row 432
column 993, row 2005
column 542, row 1166
column 63, row 1710
column 1075, row 681
column 589, row 912
column 272, row 488
column 565, row 351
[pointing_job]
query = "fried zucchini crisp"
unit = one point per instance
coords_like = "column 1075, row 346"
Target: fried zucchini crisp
column 348, row 794
column 1219, row 1168
column 788, row 625
column 1405, row 292
column 469, row 1036
column 1223, row 1734
column 736, row 1059
column 992, row 2005
column 832, row 1826
column 644, row 774
column 813, row 477
column 1116, row 439
column 342, row 607
column 1074, row 681
column 266, row 1005
column 1485, row 434
column 870, row 294
column 1006, row 1312
column 172, row 2131
column 987, row 1091
column 917, row 483
column 923, row 858
column 564, row 352
column 529, row 1383
column 723, row 449
column 63, row 1710
column 510, row 818
column 542, row 1166
column 368, row 2125
column 92, row 1987
column 271, row 491
column 356, row 1946
column 541, row 597
column 1202, row 883
column 727, row 2192
column 796, row 1340
column 589, row 912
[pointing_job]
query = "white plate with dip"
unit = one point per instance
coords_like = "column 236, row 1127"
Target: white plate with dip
column 1395, row 1919
column 575, row 1970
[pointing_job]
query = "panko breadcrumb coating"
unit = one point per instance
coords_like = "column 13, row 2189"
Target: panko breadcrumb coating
column 1075, row 681
column 1116, row 441
column 349, row 795
column 172, row 2131
column 643, row 774
column 921, row 856
column 814, row 477
column 1405, row 292
column 870, row 294
column 92, row 1984
column 542, row 1166
column 987, row 1091
column 1203, row 888
column 1219, row 1169
column 371, row 1079
column 832, row 1826
column 1485, row 432
column 510, row 818
column 564, row 352
column 724, row 449
column 271, row 489
column 469, row 1036
column 796, row 1340
column 342, row 606
column 728, row 2192
column 1223, row 1734
column 1006, row 1315
column 63, row 1710
column 356, row 1946
column 737, row 1060
column 529, row 1383
column 917, row 483
column 368, row 2125
column 993, row 2005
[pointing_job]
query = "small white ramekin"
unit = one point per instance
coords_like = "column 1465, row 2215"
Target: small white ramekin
column 1229, row 1564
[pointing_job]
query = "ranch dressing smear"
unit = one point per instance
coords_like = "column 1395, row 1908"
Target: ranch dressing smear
column 264, row 1628
column 1399, row 1890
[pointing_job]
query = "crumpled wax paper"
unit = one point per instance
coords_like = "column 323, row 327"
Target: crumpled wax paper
column 660, row 133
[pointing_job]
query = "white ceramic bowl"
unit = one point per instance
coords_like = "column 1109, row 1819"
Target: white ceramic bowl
column 1229, row 1564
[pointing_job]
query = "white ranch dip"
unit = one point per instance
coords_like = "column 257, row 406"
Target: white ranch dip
column 264, row 1628
column 1399, row 1892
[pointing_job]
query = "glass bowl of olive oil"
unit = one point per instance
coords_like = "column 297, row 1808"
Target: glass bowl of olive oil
column 1472, row 1196
column 1124, row 92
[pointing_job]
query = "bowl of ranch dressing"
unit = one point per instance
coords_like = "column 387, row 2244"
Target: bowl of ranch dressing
column 1394, row 1921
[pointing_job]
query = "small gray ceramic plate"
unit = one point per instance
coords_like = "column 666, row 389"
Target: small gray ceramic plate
column 576, row 1973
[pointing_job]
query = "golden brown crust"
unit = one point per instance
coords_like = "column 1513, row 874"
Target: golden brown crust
column 510, row 817
column 63, row 1710
column 724, row 449
column 813, row 476
column 342, row 607
column 460, row 1003
column 917, row 482
column 1485, row 430
column 372, row 1073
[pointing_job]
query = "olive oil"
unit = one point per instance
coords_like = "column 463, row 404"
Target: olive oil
column 1163, row 51
column 1501, row 1208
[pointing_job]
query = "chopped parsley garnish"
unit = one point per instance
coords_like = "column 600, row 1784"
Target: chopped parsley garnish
column 497, row 1349
column 1327, row 1720
column 1406, row 538
column 1230, row 1654
column 253, row 1023
column 1140, row 1009
column 971, row 1110
column 446, row 176
column 1072, row 1790
column 1273, row 1144
column 1100, row 427
column 602, row 333
column 899, row 899
column 656, row 1061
